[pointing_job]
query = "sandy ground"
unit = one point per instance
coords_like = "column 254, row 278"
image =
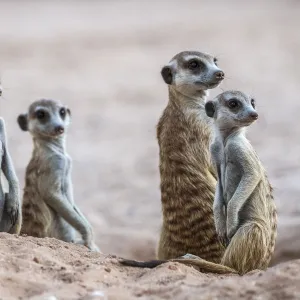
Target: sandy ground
column 103, row 60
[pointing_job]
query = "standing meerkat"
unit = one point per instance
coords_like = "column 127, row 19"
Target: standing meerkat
column 48, row 206
column 187, row 177
column 244, row 209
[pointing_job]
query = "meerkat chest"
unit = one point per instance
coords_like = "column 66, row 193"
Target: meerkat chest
column 66, row 171
column 231, row 175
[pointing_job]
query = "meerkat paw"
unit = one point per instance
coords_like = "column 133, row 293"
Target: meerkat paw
column 12, row 209
column 223, row 238
column 221, row 231
column 231, row 229
column 94, row 248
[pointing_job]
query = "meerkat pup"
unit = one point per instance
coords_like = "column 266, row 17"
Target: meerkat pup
column 48, row 206
column 244, row 209
column 187, row 177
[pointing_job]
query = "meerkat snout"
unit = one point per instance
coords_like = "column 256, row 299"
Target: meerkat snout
column 59, row 129
column 219, row 75
column 254, row 115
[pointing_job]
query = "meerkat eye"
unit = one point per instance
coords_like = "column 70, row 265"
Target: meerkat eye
column 193, row 64
column 233, row 103
column 253, row 103
column 40, row 114
column 215, row 61
column 62, row 112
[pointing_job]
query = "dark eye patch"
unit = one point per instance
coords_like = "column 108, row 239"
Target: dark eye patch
column 40, row 114
column 195, row 65
column 233, row 103
column 62, row 112
column 215, row 61
column 253, row 103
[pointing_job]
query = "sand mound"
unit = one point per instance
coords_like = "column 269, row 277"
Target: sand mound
column 33, row 268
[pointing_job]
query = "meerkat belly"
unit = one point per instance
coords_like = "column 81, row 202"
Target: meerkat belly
column 37, row 215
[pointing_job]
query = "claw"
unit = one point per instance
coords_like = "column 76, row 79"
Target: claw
column 14, row 216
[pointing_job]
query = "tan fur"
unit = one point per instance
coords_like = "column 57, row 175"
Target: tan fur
column 37, row 215
column 187, row 182
column 188, row 179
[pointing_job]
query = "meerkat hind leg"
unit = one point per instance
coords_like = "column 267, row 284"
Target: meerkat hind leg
column 248, row 248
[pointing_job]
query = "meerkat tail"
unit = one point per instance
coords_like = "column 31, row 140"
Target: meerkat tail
column 242, row 256
column 205, row 266
column 273, row 221
column 142, row 264
column 200, row 264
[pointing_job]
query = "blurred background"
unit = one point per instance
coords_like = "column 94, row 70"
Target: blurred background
column 103, row 59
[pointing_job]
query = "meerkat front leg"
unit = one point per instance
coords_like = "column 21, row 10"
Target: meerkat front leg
column 216, row 149
column 54, row 197
column 12, row 198
column 219, row 214
column 69, row 190
column 247, row 184
column 93, row 246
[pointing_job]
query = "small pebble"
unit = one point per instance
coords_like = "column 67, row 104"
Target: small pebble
column 35, row 259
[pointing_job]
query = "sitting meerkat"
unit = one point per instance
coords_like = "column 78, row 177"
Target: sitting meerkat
column 48, row 206
column 244, row 209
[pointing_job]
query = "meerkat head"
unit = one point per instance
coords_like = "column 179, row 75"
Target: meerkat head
column 45, row 118
column 232, row 109
column 192, row 71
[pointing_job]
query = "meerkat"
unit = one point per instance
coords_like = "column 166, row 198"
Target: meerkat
column 10, row 202
column 187, row 177
column 244, row 209
column 48, row 206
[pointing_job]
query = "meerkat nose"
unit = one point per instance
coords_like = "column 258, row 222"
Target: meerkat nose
column 219, row 75
column 59, row 129
column 254, row 115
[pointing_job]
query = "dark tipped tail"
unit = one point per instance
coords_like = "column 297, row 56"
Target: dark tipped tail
column 200, row 264
column 142, row 264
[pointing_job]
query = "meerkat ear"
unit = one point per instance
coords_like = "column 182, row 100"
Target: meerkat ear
column 69, row 111
column 210, row 108
column 166, row 73
column 23, row 122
